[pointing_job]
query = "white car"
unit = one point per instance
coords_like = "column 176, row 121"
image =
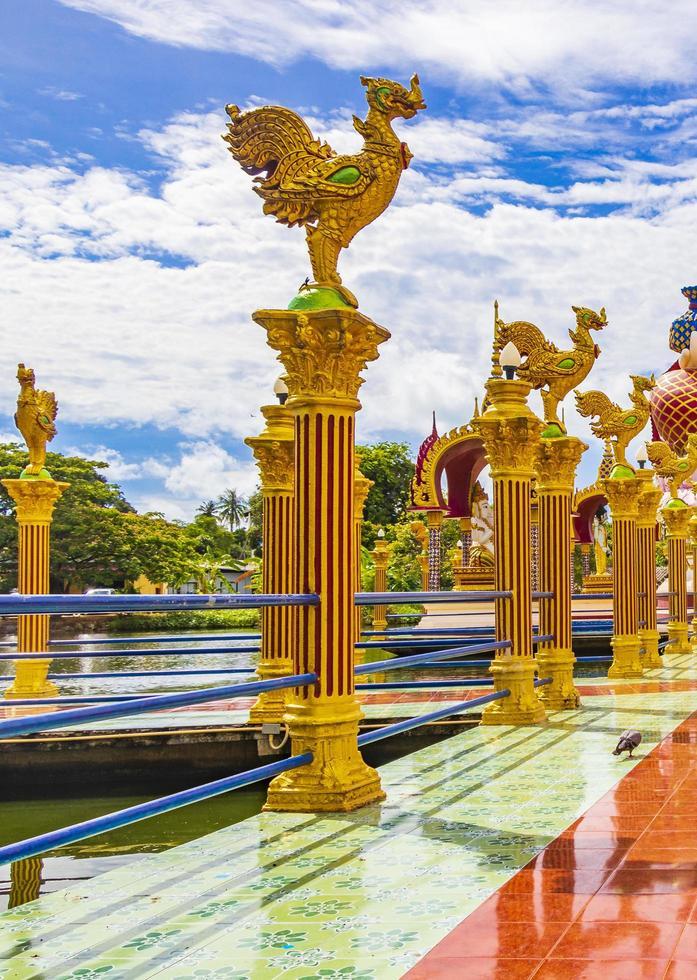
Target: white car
column 100, row 592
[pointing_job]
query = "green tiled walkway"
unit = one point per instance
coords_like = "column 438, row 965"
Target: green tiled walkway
column 359, row 896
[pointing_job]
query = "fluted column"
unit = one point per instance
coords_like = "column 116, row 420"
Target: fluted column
column 323, row 353
column 34, row 500
column 649, row 499
column 692, row 532
column 274, row 453
column 380, row 559
column 676, row 516
column 534, row 544
column 623, row 494
column 557, row 459
column 510, row 432
column 434, row 519
column 361, row 488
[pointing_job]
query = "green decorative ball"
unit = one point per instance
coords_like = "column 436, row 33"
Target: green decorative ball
column 553, row 431
column 621, row 472
column 676, row 504
column 321, row 298
column 42, row 475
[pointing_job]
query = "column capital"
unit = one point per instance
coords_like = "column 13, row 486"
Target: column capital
column 361, row 489
column 649, row 499
column 556, row 462
column 509, row 429
column 380, row 553
column 323, row 351
column 676, row 518
column 274, row 449
column 35, row 499
column 622, row 495
column 434, row 518
column 692, row 528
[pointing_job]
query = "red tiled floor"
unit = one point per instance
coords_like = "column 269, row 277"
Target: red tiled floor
column 614, row 897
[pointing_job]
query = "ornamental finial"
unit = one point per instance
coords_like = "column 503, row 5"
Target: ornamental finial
column 35, row 418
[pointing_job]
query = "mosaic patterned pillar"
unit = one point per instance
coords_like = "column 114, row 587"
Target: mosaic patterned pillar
column 572, row 560
column 274, row 453
column 361, row 487
column 380, row 558
column 676, row 516
column 323, row 353
column 623, row 494
column 534, row 544
column 434, row 519
column 585, row 560
column 557, row 459
column 466, row 538
column 34, row 500
column 649, row 499
column 510, row 432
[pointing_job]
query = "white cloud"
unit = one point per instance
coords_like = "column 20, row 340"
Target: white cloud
column 571, row 45
column 127, row 341
column 60, row 94
column 119, row 468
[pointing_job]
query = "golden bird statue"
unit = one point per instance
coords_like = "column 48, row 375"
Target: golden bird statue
column 548, row 369
column 676, row 469
column 35, row 418
column 303, row 182
column 618, row 425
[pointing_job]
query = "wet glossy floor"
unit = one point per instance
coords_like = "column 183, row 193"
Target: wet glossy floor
column 438, row 881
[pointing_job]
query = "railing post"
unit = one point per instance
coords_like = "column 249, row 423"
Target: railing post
column 361, row 488
column 274, row 452
column 557, row 459
column 323, row 352
column 649, row 499
column 510, row 432
column 623, row 493
column 434, row 520
column 676, row 516
column 380, row 558
column 35, row 499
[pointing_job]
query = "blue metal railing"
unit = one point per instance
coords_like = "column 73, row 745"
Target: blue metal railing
column 89, row 654
column 23, row 605
column 168, row 638
column 419, row 598
column 140, row 705
column 143, row 811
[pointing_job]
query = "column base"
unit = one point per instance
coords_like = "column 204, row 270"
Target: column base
column 270, row 706
column 337, row 780
column 561, row 694
column 30, row 681
column 380, row 624
column 625, row 657
column 677, row 637
column 522, row 706
column 649, row 640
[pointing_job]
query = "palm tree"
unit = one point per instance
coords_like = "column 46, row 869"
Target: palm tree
column 231, row 508
column 209, row 508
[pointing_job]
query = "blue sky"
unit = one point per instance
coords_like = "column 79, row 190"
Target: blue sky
column 555, row 166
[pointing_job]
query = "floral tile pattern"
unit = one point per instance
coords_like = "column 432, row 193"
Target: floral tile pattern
column 347, row 896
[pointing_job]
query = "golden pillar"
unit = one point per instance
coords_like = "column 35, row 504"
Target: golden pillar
column 692, row 531
column 434, row 522
column 323, row 353
column 623, row 494
column 510, row 432
column 649, row 499
column 380, row 558
column 34, row 500
column 274, row 452
column 676, row 516
column 557, row 459
column 361, row 488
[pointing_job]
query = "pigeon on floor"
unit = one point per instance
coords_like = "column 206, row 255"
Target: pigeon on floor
column 628, row 742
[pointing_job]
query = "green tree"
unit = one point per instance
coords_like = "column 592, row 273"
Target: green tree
column 255, row 509
column 231, row 508
column 389, row 466
column 209, row 508
column 96, row 536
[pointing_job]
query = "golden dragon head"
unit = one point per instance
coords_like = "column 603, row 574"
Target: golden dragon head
column 642, row 383
column 25, row 375
column 393, row 99
column 589, row 318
